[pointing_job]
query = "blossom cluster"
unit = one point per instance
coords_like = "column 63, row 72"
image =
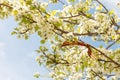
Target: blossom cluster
column 75, row 19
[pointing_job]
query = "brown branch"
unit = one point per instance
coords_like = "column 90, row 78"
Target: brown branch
column 71, row 22
column 86, row 15
column 24, row 31
column 31, row 20
column 58, row 34
column 58, row 62
column 61, row 2
column 78, row 34
column 70, row 16
column 112, row 43
column 80, row 13
column 102, row 5
column 66, row 43
column 103, row 60
column 112, row 20
column 105, row 55
column 97, row 75
column 47, row 56
column 115, row 24
column 93, row 48
column 2, row 4
column 54, row 60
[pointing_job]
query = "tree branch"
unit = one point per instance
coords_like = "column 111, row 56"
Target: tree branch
column 97, row 75
column 102, row 5
column 103, row 60
column 65, row 62
column 2, row 4
column 70, row 16
column 86, row 15
column 31, row 20
column 71, row 22
column 105, row 56
column 112, row 44
column 112, row 20
column 79, row 14
column 61, row 2
column 78, row 34
column 24, row 31
column 54, row 60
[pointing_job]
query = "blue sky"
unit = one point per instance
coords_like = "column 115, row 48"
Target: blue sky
column 17, row 56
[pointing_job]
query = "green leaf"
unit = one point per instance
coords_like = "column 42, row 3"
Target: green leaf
column 41, row 47
column 37, row 75
column 100, row 7
column 32, row 7
column 36, row 28
column 42, row 41
column 29, row 15
column 101, row 46
column 13, row 33
column 82, row 67
column 60, row 73
column 77, row 68
column 42, row 9
column 63, row 49
column 24, row 20
column 28, row 2
column 89, row 15
column 39, row 33
column 58, row 23
column 56, row 38
column 38, row 51
column 16, row 29
column 85, row 63
column 111, row 12
column 48, row 63
column 53, row 12
column 26, row 37
column 71, row 0
column 53, row 1
column 19, row 36
column 15, row 12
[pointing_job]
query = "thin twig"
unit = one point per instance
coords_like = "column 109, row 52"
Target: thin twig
column 97, row 75
column 78, row 34
column 80, row 14
column 1, row 4
column 103, row 60
column 71, row 22
column 102, row 5
column 58, row 34
column 73, row 16
column 105, row 55
column 112, row 20
column 86, row 15
column 54, row 60
column 24, row 31
column 61, row 2
column 112, row 44
column 28, row 18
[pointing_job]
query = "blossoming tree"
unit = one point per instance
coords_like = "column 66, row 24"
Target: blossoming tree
column 66, row 54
